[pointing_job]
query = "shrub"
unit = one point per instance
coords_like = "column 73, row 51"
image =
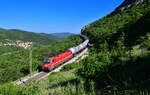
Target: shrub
column 70, row 66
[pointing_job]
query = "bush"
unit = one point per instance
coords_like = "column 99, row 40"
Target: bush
column 70, row 66
column 11, row 89
column 94, row 65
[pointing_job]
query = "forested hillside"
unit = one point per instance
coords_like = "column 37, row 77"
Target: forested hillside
column 26, row 36
column 119, row 58
column 14, row 40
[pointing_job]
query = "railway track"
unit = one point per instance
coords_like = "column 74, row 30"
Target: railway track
column 42, row 74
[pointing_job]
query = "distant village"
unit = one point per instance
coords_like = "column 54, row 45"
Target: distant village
column 19, row 43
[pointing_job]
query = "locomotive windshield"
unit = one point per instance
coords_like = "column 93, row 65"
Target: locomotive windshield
column 46, row 60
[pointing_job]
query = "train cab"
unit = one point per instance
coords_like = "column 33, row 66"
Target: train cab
column 46, row 62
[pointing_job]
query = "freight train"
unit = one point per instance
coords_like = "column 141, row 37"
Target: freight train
column 51, row 62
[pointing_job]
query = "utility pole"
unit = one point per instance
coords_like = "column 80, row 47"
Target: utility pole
column 30, row 58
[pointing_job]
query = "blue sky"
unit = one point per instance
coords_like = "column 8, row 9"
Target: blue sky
column 53, row 16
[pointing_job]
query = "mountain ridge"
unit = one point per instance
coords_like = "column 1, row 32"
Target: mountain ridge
column 15, row 34
column 62, row 35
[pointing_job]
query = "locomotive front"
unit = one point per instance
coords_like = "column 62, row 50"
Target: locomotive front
column 46, row 63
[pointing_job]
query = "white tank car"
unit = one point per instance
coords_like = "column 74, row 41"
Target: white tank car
column 76, row 49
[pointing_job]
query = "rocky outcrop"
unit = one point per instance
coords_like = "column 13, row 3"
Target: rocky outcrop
column 127, row 4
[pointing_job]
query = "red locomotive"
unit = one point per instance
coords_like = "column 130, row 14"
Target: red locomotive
column 50, row 63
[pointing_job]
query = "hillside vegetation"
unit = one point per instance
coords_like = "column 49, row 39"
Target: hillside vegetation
column 119, row 58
